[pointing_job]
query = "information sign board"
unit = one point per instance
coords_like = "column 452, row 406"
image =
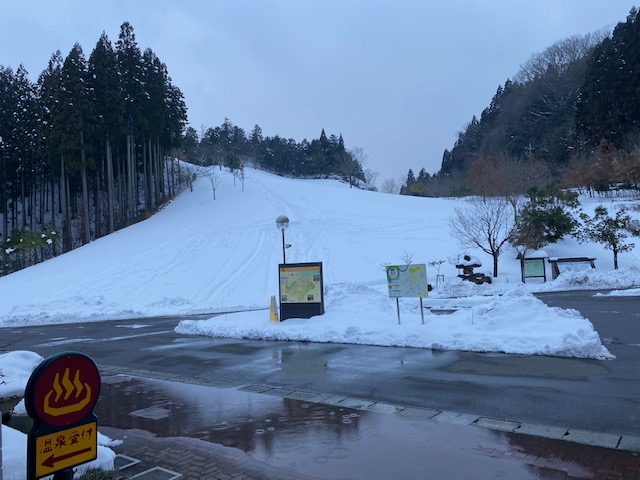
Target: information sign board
column 407, row 280
column 533, row 267
column 301, row 290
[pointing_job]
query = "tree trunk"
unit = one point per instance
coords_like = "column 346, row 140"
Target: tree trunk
column 5, row 217
column 132, row 200
column 53, row 212
column 23, row 202
column 495, row 266
column 42, row 194
column 111, row 227
column 97, row 198
column 145, row 177
column 86, row 226
column 160, row 188
column 66, row 215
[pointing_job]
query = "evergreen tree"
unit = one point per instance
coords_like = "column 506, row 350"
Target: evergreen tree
column 612, row 232
column 75, row 122
column 6, row 158
column 547, row 217
column 59, row 134
column 131, row 74
column 411, row 180
column 609, row 103
column 49, row 89
column 109, row 109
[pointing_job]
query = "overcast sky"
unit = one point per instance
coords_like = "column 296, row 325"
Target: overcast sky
column 397, row 78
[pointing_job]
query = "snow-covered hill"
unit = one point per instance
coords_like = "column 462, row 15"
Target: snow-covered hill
column 200, row 255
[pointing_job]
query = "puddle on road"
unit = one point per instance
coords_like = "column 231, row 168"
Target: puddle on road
column 321, row 440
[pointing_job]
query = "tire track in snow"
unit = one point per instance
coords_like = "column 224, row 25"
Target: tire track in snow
column 309, row 242
column 222, row 280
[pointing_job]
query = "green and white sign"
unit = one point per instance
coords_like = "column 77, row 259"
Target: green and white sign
column 407, row 280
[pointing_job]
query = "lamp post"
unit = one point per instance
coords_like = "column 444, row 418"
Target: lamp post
column 282, row 222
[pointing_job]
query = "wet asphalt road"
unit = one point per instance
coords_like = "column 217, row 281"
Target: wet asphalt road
column 594, row 395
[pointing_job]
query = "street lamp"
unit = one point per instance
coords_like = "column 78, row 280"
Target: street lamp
column 282, row 222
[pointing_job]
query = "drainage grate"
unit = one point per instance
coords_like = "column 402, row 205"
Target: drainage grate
column 157, row 473
column 122, row 461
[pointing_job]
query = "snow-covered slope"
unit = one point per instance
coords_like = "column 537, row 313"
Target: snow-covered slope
column 200, row 255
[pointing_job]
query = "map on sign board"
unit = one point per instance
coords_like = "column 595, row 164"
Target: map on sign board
column 533, row 267
column 407, row 280
column 300, row 284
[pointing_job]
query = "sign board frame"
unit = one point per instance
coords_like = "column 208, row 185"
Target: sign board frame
column 560, row 265
column 533, row 268
column 308, row 301
column 407, row 281
column 60, row 396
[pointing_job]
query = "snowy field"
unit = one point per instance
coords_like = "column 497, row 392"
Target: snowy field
column 200, row 255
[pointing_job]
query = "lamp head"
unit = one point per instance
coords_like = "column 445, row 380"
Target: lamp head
column 282, row 222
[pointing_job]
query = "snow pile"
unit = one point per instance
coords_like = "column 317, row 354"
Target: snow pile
column 516, row 322
column 15, row 370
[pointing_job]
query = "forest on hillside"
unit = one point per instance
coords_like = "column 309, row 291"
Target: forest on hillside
column 93, row 145
column 570, row 116
column 230, row 146
column 86, row 149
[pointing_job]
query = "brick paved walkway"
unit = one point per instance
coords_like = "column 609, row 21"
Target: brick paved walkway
column 542, row 458
column 192, row 458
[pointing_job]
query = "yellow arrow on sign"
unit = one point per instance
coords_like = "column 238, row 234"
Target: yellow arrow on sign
column 66, row 448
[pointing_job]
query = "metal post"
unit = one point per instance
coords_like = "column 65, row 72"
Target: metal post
column 398, row 308
column 421, row 310
column 66, row 474
column 284, row 249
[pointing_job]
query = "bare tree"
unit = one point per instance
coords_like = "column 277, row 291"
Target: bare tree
column 350, row 164
column 390, row 185
column 370, row 178
column 518, row 176
column 242, row 175
column 214, row 178
column 193, row 172
column 487, row 225
column 483, row 177
column 560, row 55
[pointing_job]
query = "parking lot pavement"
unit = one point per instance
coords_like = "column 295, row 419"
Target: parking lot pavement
column 192, row 428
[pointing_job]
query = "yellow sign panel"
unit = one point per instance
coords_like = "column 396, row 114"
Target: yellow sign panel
column 66, row 448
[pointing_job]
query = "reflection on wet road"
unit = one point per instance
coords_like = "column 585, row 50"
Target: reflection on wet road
column 325, row 441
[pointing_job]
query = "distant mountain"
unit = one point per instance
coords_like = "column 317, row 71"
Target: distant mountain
column 565, row 110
